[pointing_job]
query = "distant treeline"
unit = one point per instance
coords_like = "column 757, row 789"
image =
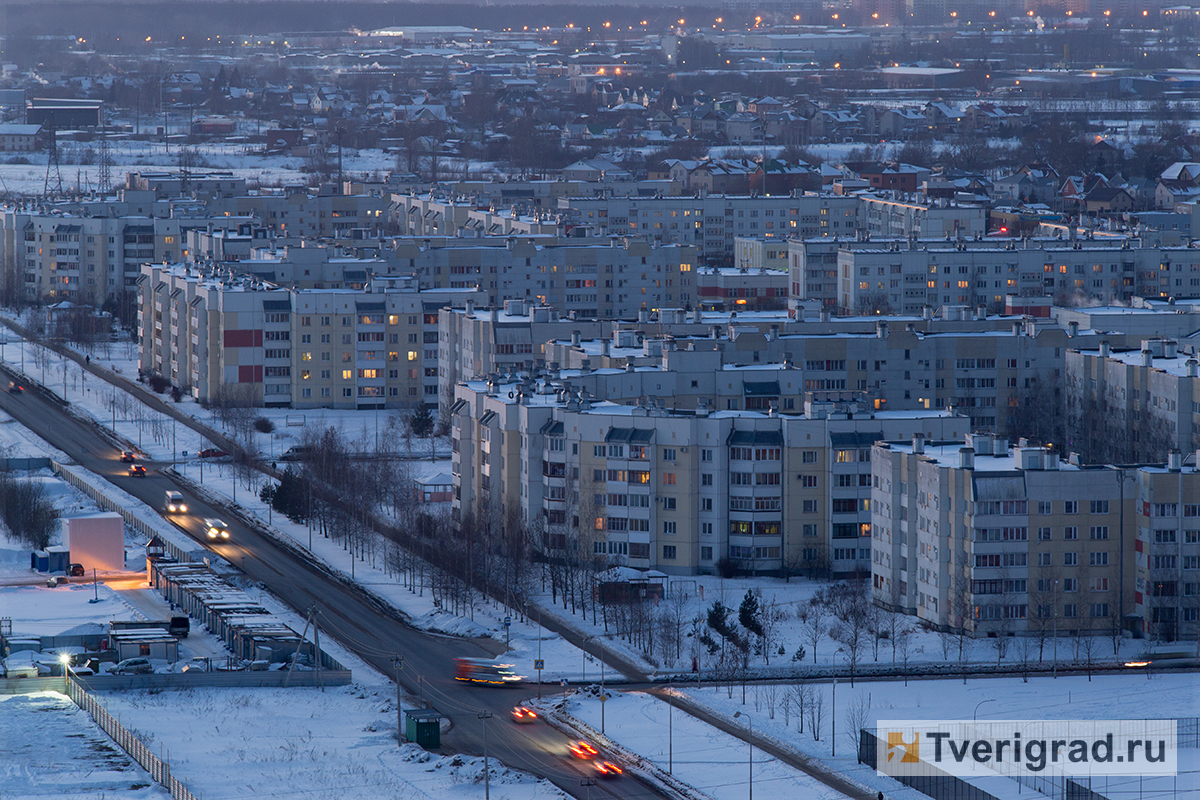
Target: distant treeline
column 164, row 21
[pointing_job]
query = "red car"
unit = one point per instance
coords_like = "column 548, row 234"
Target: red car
column 523, row 715
column 584, row 750
column 212, row 452
column 137, row 471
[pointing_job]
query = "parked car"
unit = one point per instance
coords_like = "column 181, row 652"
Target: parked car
column 198, row 664
column 180, row 627
column 137, row 471
column 134, row 666
column 76, row 571
column 173, row 503
column 297, row 453
column 212, row 452
column 216, row 528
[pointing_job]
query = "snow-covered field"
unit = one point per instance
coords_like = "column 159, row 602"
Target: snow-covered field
column 1128, row 696
column 53, row 749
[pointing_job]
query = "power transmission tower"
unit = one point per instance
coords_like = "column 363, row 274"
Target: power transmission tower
column 53, row 172
column 105, row 159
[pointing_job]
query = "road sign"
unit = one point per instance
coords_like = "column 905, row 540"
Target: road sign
column 507, row 621
column 539, row 663
column 185, row 453
column 603, row 698
column 399, row 662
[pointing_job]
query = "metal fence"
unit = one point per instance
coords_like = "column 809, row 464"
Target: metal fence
column 159, row 769
column 935, row 783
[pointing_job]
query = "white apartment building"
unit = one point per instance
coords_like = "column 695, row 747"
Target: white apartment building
column 317, row 348
column 900, row 279
column 678, row 491
column 974, row 535
column 1133, row 404
column 712, row 223
column 888, row 216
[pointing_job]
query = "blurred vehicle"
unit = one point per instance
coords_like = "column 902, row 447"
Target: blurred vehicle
column 137, row 471
column 297, row 453
column 173, row 503
column 212, row 452
column 134, row 666
column 56, row 580
column 482, row 670
column 128, row 456
column 584, row 750
column 608, row 769
column 76, row 571
column 15, row 387
column 216, row 528
column 524, row 715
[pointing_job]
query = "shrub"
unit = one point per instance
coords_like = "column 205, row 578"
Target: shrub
column 158, row 384
column 264, row 425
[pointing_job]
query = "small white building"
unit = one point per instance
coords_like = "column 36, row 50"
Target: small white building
column 97, row 541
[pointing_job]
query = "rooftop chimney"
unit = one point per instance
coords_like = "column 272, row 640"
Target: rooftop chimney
column 1175, row 461
column 1072, row 329
column 1105, row 349
column 966, row 458
column 918, row 443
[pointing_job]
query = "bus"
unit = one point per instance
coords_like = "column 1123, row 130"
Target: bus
column 482, row 670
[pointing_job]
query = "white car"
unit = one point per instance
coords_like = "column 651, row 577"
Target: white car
column 173, row 504
column 216, row 529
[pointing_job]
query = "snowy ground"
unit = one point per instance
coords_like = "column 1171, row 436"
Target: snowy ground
column 53, row 749
column 137, row 156
column 305, row 742
column 1129, row 696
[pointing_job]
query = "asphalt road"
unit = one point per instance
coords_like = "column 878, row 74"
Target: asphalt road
column 354, row 620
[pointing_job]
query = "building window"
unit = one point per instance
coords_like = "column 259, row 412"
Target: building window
column 668, row 552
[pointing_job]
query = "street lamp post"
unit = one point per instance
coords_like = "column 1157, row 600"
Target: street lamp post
column 487, row 785
column 975, row 714
column 670, row 737
column 750, row 728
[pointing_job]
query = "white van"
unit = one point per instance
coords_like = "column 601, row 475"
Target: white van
column 173, row 503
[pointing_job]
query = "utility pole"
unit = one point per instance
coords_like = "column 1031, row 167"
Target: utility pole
column 398, row 663
column 487, row 783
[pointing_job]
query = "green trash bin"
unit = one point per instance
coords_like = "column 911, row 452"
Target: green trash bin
column 423, row 726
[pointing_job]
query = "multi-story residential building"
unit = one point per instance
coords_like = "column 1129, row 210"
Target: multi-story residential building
column 998, row 376
column 1128, row 405
column 49, row 255
column 1002, row 541
column 761, row 252
column 711, row 223
column 678, row 491
column 922, row 218
column 898, row 279
column 213, row 336
column 741, row 289
column 443, row 215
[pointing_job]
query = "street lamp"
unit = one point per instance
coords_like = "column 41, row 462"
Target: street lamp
column 750, row 727
column 487, row 786
column 603, row 696
column 975, row 715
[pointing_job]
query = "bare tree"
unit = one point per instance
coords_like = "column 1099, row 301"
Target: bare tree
column 816, row 711
column 857, row 716
column 814, row 618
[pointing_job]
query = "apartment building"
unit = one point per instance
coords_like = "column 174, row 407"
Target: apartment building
column 712, row 223
column 678, row 491
column 995, row 375
column 214, row 335
column 1133, row 404
column 976, row 535
column 741, row 289
column 896, row 215
column 460, row 216
column 898, row 279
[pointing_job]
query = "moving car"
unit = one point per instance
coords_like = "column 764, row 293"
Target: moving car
column 134, row 666
column 482, row 670
column 137, row 471
column 212, row 452
column 608, row 769
column 128, row 456
column 584, row 750
column 216, row 528
column 297, row 453
column 173, row 503
column 523, row 715
column 15, row 387
column 76, row 571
